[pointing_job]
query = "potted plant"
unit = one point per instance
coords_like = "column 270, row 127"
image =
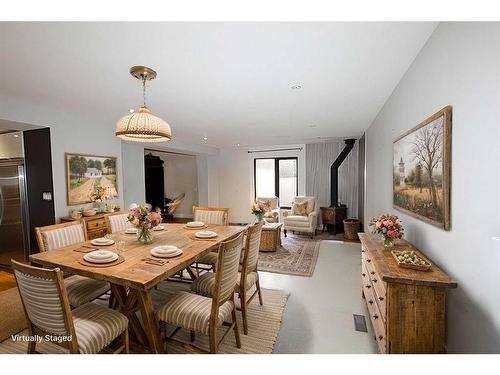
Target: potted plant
column 389, row 226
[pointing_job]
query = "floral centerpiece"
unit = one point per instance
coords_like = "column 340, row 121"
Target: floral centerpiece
column 259, row 209
column 389, row 226
column 144, row 220
column 99, row 196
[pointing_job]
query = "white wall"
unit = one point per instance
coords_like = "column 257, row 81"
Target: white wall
column 70, row 131
column 134, row 189
column 459, row 66
column 181, row 176
column 235, row 174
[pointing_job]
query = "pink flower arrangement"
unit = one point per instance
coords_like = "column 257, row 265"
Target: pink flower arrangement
column 142, row 218
column 260, row 208
column 389, row 226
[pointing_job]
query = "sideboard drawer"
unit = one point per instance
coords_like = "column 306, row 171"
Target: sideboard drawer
column 375, row 317
column 96, row 224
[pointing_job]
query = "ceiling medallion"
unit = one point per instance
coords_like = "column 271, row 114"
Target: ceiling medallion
column 142, row 126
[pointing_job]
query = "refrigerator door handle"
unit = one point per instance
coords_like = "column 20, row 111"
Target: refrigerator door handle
column 24, row 202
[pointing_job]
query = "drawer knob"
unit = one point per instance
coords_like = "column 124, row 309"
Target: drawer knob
column 363, row 274
column 380, row 337
column 374, row 280
column 375, row 316
column 381, row 298
column 368, row 286
column 370, row 302
column 373, row 273
column 368, row 260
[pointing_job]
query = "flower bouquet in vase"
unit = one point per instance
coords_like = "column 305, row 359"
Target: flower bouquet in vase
column 99, row 196
column 259, row 209
column 144, row 220
column 389, row 226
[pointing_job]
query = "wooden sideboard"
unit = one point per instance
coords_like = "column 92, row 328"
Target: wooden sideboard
column 407, row 307
column 95, row 226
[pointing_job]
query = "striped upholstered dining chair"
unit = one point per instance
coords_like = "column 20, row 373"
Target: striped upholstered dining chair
column 247, row 277
column 80, row 289
column 215, row 216
column 117, row 222
column 206, row 314
column 92, row 327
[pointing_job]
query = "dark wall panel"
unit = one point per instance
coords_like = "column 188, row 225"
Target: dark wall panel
column 38, row 161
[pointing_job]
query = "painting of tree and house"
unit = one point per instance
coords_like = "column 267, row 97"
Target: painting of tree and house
column 421, row 165
column 85, row 173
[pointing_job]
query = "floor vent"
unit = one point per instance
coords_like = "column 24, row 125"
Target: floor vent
column 359, row 323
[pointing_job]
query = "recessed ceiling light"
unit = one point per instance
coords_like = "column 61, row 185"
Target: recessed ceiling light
column 205, row 138
column 131, row 110
column 296, row 87
column 238, row 144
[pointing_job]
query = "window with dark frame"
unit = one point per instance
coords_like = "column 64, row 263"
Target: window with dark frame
column 276, row 177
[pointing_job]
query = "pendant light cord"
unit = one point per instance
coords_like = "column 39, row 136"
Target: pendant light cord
column 144, row 90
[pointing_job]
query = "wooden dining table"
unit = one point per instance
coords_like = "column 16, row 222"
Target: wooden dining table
column 133, row 280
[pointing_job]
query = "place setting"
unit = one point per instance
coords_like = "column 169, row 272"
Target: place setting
column 96, row 243
column 101, row 258
column 205, row 235
column 195, row 225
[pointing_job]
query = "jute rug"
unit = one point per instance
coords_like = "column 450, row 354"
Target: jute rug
column 264, row 323
column 296, row 256
column 11, row 313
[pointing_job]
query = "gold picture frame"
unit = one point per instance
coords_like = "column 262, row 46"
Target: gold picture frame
column 422, row 170
column 84, row 172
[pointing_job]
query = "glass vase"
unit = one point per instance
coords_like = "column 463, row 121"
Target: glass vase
column 145, row 236
column 388, row 242
column 259, row 217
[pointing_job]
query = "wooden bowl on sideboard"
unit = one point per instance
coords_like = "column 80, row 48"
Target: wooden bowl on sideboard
column 87, row 213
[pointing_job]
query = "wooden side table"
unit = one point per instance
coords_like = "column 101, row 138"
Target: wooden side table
column 270, row 239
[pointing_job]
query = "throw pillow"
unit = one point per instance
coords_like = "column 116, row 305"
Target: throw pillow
column 310, row 206
column 299, row 209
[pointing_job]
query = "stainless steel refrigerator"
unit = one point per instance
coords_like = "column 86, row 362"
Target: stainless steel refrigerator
column 14, row 221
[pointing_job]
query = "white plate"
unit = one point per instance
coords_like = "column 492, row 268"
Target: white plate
column 195, row 224
column 102, row 242
column 205, row 234
column 94, row 258
column 165, row 249
column 165, row 255
column 131, row 230
column 159, row 227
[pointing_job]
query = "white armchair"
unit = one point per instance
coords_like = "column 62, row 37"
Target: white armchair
column 273, row 215
column 306, row 223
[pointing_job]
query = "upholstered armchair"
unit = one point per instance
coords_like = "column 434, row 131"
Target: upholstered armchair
column 302, row 218
column 273, row 215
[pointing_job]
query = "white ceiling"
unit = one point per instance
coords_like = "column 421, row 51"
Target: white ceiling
column 228, row 81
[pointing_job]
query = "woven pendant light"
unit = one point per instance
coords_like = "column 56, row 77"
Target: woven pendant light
column 142, row 126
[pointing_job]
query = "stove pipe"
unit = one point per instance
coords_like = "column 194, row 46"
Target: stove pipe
column 334, row 171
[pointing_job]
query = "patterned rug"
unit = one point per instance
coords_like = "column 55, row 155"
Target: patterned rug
column 297, row 256
column 264, row 323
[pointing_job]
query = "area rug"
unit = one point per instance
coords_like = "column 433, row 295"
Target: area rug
column 264, row 323
column 11, row 313
column 296, row 256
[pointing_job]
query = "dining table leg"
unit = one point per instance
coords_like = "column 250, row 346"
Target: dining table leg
column 127, row 303
column 149, row 320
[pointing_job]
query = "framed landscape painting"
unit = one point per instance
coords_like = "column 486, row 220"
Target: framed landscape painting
column 421, row 170
column 86, row 172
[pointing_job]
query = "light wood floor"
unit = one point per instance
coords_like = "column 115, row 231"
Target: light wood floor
column 7, row 281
